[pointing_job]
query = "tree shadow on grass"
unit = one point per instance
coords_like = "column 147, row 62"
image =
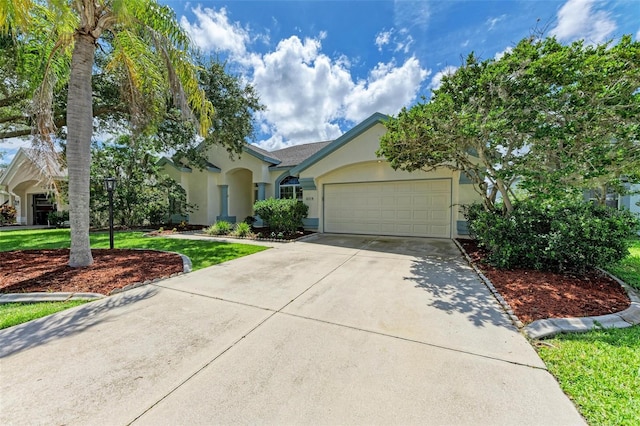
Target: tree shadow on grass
column 66, row 323
column 455, row 288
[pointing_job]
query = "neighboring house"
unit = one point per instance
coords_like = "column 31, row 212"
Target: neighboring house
column 347, row 187
column 631, row 201
column 23, row 184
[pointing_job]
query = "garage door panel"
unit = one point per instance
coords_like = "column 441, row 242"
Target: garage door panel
column 419, row 208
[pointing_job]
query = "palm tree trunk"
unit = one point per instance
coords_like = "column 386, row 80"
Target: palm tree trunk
column 79, row 131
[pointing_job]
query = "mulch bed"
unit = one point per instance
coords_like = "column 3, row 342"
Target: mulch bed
column 537, row 295
column 25, row 271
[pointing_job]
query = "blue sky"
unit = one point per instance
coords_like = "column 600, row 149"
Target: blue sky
column 320, row 67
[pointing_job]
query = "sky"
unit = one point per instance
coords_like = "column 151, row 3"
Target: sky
column 321, row 67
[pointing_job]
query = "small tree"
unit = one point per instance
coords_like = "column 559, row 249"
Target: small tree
column 557, row 119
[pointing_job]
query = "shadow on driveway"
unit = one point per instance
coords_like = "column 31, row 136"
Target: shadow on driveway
column 454, row 287
column 66, row 323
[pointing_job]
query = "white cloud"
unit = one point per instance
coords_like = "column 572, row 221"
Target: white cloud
column 303, row 91
column 436, row 81
column 383, row 38
column 308, row 94
column 387, row 89
column 214, row 32
column 400, row 40
column 638, row 35
column 578, row 19
column 492, row 22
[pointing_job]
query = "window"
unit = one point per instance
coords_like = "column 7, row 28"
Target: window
column 290, row 188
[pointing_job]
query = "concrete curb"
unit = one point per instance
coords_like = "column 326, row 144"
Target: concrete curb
column 187, row 267
column 47, row 297
column 543, row 328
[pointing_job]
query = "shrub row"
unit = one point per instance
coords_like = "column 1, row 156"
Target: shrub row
column 562, row 236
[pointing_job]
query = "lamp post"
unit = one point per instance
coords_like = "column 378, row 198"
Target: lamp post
column 110, row 186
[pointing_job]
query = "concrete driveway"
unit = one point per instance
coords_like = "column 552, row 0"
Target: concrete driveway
column 332, row 330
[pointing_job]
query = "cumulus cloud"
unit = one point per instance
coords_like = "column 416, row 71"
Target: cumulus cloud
column 436, row 81
column 214, row 32
column 302, row 89
column 579, row 19
column 387, row 89
column 307, row 93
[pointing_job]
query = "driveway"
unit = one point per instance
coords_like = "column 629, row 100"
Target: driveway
column 334, row 330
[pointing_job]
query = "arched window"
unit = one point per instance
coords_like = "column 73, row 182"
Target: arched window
column 290, row 188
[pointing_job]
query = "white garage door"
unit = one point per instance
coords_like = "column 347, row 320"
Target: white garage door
column 412, row 208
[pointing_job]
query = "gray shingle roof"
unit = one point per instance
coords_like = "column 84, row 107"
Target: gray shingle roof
column 293, row 155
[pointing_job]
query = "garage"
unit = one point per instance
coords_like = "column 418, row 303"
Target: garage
column 404, row 208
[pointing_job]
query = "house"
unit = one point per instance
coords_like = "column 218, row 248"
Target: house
column 23, row 185
column 630, row 201
column 347, row 187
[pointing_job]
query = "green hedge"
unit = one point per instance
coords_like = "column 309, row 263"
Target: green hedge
column 560, row 236
column 282, row 215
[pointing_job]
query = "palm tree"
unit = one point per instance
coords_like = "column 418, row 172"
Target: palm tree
column 145, row 46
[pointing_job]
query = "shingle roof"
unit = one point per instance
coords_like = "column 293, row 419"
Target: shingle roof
column 292, row 155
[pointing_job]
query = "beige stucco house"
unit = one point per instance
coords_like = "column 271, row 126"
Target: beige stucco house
column 24, row 185
column 347, row 187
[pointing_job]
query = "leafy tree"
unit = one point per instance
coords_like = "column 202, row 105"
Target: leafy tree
column 234, row 101
column 145, row 45
column 558, row 119
column 144, row 195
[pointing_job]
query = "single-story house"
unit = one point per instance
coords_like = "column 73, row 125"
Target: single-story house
column 24, row 185
column 347, row 187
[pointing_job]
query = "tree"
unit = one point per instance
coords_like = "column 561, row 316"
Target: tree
column 145, row 44
column 234, row 101
column 143, row 194
column 556, row 119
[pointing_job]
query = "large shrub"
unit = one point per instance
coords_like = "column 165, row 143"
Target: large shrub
column 282, row 215
column 560, row 236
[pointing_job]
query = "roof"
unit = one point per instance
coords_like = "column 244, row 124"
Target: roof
column 296, row 154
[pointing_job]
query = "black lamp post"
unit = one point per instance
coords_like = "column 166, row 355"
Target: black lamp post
column 110, row 186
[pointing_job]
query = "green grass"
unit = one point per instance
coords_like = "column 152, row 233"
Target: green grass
column 16, row 313
column 202, row 253
column 600, row 371
column 628, row 270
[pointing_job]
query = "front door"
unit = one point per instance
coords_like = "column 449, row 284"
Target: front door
column 42, row 206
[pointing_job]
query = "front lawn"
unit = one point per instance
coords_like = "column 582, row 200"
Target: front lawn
column 202, row 253
column 600, row 371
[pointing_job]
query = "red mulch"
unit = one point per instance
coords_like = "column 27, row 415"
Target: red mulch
column 24, row 271
column 537, row 295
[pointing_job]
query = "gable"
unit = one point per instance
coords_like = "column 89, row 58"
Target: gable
column 356, row 146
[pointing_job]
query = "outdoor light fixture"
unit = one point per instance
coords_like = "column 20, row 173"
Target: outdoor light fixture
column 110, row 186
